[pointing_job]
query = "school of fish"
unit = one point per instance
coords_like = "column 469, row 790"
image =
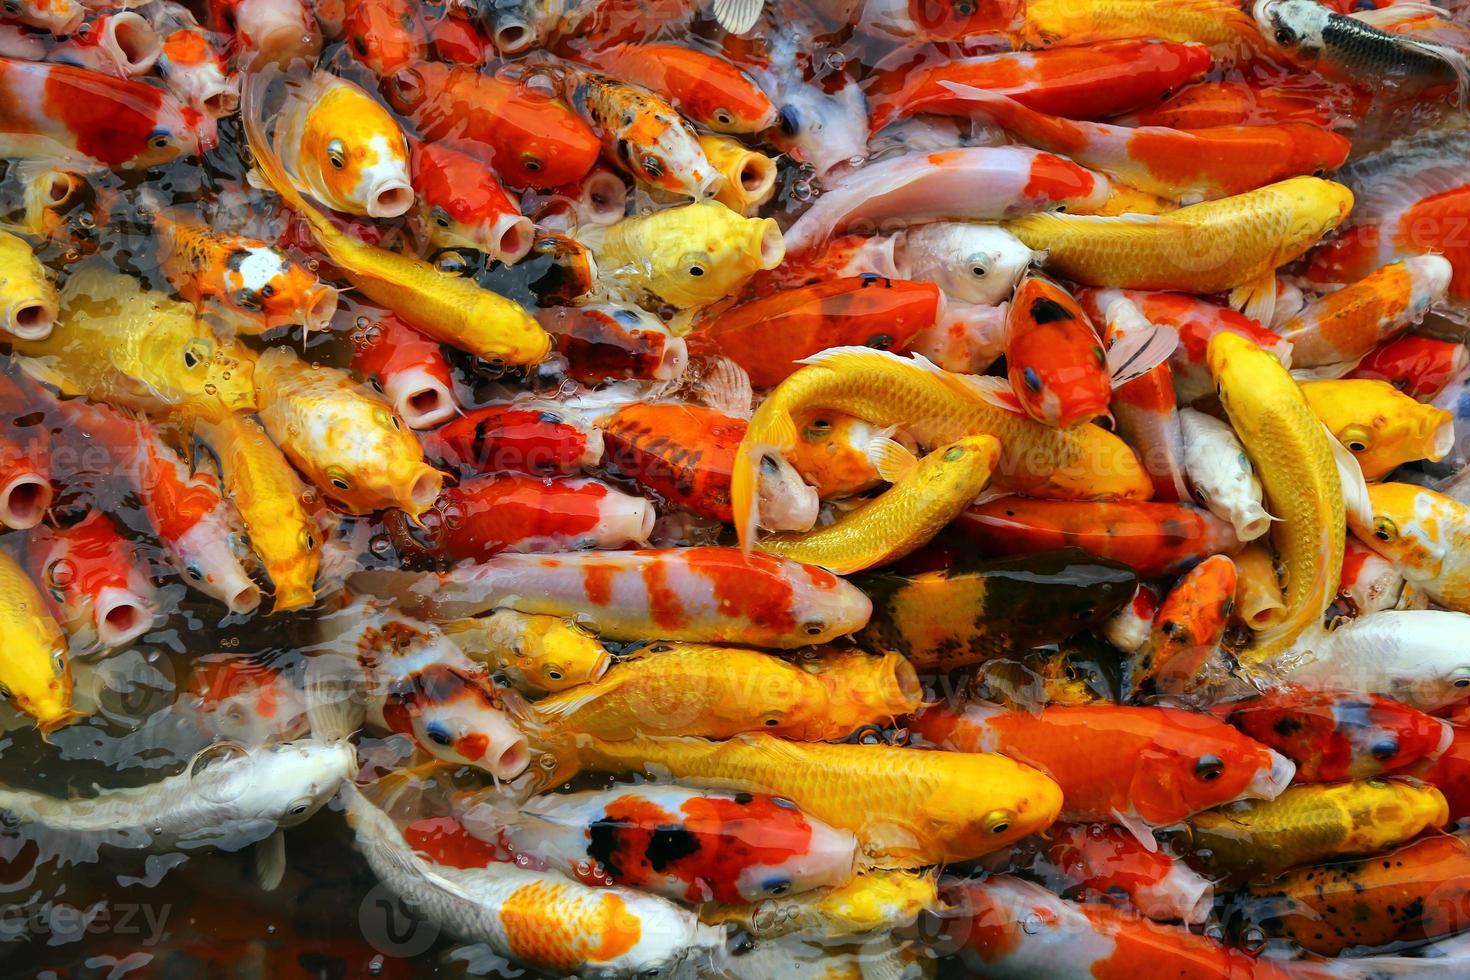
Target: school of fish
column 829, row 488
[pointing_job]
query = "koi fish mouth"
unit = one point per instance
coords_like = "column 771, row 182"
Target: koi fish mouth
column 24, row 501
column 1270, row 783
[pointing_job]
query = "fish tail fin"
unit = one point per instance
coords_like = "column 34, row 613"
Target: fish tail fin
column 333, row 700
column 268, row 162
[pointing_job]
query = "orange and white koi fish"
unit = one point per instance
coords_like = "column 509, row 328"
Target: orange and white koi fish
column 704, row 88
column 121, row 43
column 460, row 203
column 97, row 590
column 407, row 367
column 1420, row 367
column 1343, row 326
column 1426, row 534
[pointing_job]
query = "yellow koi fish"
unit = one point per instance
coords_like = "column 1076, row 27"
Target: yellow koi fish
column 1426, row 534
column 27, row 297
column 539, row 654
column 1380, row 425
column 34, row 673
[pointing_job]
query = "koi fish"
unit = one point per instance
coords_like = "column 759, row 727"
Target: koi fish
column 1420, row 367
column 250, row 284
column 506, row 438
column 281, row 30
column 686, row 454
column 460, row 203
column 873, row 903
column 1145, row 408
column 1222, row 475
column 938, row 807
column 1332, row 735
column 196, row 72
column 29, row 298
column 116, row 342
column 1128, row 628
column 1219, row 24
column 247, row 701
column 1139, row 768
column 748, row 178
column 1095, row 81
column 450, row 309
column 538, row 654
column 1152, row 538
column 1301, row 469
column 1424, row 534
column 539, row 918
column 347, row 441
column 385, row 35
column 1196, row 321
column 704, row 88
column 689, row 845
column 936, row 408
column 1186, row 632
column 1246, row 236
column 1343, row 326
column 197, row 526
column 1370, row 583
column 35, row 674
column 571, row 270
column 56, row 112
column 689, row 256
column 44, row 201
column 415, row 681
column 1380, row 425
column 1448, row 772
column 271, row 500
column 1350, row 49
column 121, row 44
column 603, row 342
column 533, row 140
column 697, row 595
column 966, row 184
column 25, row 460
column 723, row 691
column 832, row 453
column 486, row 515
column 770, row 336
column 1097, row 862
column 1259, row 603
column 1257, row 840
column 456, row 41
column 407, row 367
column 925, row 496
column 934, row 618
column 1187, row 165
column 1346, row 905
column 1414, row 656
column 96, row 589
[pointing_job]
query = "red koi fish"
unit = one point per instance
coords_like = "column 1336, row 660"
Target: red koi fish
column 1294, row 98
column 1147, row 410
column 1088, row 82
column 460, row 204
column 25, row 452
column 243, row 699
column 66, row 113
column 486, row 515
column 1186, row 632
column 1138, row 768
column 706, row 89
column 1154, row 538
column 1450, row 773
column 95, row 587
column 1332, row 736
column 444, row 840
column 606, row 342
column 533, row 140
column 1096, row 862
column 282, row 30
column 409, row 368
column 386, row 35
column 768, row 337
column 691, row 845
column 1369, row 583
column 698, row 594
column 1196, row 321
column 505, row 438
column 121, row 44
column 686, row 454
column 196, row 72
column 1058, row 372
column 1420, row 367
column 457, row 41
column 198, row 527
column 1187, row 165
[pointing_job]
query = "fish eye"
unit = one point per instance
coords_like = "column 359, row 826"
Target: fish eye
column 12, row 6
column 337, row 154
column 652, row 166
column 160, row 140
column 359, row 44
column 267, row 290
column 1209, row 768
column 953, row 453
column 247, row 299
column 298, row 809
column 385, row 418
column 531, row 163
column 778, row 886
column 1356, row 438
column 554, row 674
column 815, row 629
column 724, row 117
column 998, row 821
column 196, row 352
column 771, row 722
column 1032, row 380
column 695, row 263
column 880, row 341
column 194, row 572
column 58, row 662
column 440, row 216
column 1384, row 529
column 1285, row 36
column 240, row 545
column 1461, row 677
column 307, row 540
column 438, row 736
column 1385, row 749
column 338, row 477
column 964, row 8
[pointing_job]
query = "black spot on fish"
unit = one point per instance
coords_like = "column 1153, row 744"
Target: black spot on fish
column 668, row 844
column 1286, row 726
column 1047, row 310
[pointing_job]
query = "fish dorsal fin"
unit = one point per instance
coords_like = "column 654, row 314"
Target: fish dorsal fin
column 892, row 461
column 1140, row 346
column 738, row 16
column 1256, row 300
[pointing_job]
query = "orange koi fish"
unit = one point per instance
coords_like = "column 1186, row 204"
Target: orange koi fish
column 406, row 366
column 93, row 584
column 704, row 88
column 1186, row 632
column 1345, row 325
column 604, row 342
column 1179, row 164
column 1092, row 82
column 1293, row 98
column 386, row 35
column 460, row 203
column 1420, row 367
column 507, row 438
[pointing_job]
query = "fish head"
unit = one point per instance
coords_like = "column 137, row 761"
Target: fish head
column 291, row 551
column 459, row 719
column 554, row 653
column 972, row 824
column 1293, row 28
column 706, row 251
column 972, row 263
column 35, row 675
column 519, row 25
column 1316, row 207
column 785, row 502
column 827, row 606
column 59, row 17
column 197, row 72
column 1385, row 736
column 1413, row 527
column 662, row 151
column 1195, row 763
column 831, row 452
column 265, row 284
column 1057, row 365
column 248, row 702
column 569, row 268
column 289, row 781
column 953, row 20
column 354, row 155
column 209, row 555
column 178, row 131
column 802, row 854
